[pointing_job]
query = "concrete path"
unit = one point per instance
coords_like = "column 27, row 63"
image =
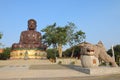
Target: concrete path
column 44, row 70
column 38, row 71
column 109, row 77
column 35, row 69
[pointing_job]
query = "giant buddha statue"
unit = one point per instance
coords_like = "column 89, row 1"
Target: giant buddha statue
column 29, row 39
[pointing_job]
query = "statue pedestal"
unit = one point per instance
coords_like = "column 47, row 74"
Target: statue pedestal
column 89, row 61
column 28, row 54
column 102, row 70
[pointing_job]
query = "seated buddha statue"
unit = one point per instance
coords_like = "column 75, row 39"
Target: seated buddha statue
column 30, row 38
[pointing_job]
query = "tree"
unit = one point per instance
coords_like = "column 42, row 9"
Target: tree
column 1, row 38
column 49, row 38
column 6, row 54
column 55, row 36
column 50, row 53
column 59, row 36
column 116, row 52
column 68, row 52
column 74, row 37
column 1, row 35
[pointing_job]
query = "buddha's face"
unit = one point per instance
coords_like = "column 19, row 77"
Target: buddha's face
column 31, row 25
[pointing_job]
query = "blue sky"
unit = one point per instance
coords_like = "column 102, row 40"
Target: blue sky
column 99, row 19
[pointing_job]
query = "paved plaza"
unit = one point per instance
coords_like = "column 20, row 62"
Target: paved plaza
column 45, row 70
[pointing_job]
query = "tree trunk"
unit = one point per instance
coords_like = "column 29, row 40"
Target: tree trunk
column 60, row 50
column 72, row 52
column 55, row 47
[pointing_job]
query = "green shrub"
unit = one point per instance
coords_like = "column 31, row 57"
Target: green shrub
column 73, row 62
column 52, row 54
column 6, row 54
column 60, row 62
column 102, row 64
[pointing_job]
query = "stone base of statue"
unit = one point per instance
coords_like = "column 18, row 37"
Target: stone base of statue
column 28, row 54
column 101, row 70
column 90, row 65
column 89, row 61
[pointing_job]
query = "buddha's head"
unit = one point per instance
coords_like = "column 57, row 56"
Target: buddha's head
column 32, row 24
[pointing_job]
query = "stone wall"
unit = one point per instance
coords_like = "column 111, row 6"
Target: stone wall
column 68, row 61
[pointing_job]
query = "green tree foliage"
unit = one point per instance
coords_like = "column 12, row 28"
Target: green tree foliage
column 58, row 36
column 68, row 52
column 1, row 35
column 55, row 36
column 61, row 35
column 1, row 38
column 116, row 52
column 51, row 53
column 74, row 37
column 49, row 38
column 6, row 54
column 61, row 38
